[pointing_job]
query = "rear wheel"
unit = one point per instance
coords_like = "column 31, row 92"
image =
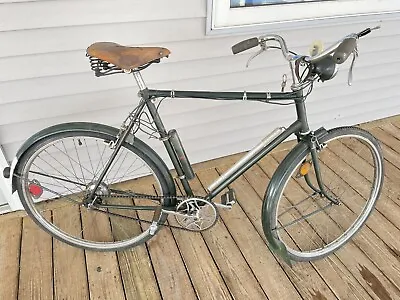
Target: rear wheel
column 57, row 173
column 309, row 224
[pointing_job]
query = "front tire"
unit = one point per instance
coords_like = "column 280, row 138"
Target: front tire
column 56, row 173
column 308, row 223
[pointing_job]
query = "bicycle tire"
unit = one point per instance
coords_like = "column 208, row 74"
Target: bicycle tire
column 88, row 228
column 344, row 162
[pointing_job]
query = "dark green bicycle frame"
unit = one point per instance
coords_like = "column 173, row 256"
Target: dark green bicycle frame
column 299, row 127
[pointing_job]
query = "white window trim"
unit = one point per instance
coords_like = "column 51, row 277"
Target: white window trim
column 221, row 19
column 5, row 188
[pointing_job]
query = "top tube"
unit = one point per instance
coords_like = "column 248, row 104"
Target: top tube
column 252, row 96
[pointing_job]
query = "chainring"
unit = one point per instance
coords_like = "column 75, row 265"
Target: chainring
column 196, row 214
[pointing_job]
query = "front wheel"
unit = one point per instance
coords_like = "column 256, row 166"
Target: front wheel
column 311, row 225
column 57, row 174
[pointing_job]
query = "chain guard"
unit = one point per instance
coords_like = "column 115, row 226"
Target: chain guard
column 196, row 214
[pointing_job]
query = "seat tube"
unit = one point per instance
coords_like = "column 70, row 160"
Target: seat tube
column 163, row 133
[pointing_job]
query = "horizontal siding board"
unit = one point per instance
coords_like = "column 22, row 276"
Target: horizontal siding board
column 242, row 115
column 59, row 39
column 5, row 209
column 264, row 114
column 63, row 85
column 19, row 1
column 86, row 82
column 47, row 79
column 255, row 131
column 25, row 42
column 249, row 134
column 236, row 145
column 213, row 146
column 53, row 64
column 239, row 141
column 211, row 114
column 45, row 14
column 125, row 99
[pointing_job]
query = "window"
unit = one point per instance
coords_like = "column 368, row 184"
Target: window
column 244, row 15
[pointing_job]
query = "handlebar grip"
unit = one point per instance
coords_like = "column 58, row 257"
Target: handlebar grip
column 364, row 32
column 245, row 45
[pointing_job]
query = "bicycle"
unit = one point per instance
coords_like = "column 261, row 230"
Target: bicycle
column 101, row 188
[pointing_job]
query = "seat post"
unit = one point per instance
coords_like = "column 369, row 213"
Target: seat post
column 139, row 80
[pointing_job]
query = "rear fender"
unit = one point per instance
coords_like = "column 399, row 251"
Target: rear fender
column 90, row 127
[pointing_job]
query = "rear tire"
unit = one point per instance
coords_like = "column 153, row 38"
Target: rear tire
column 306, row 222
column 56, row 173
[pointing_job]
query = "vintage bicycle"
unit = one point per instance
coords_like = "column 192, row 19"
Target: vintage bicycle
column 102, row 188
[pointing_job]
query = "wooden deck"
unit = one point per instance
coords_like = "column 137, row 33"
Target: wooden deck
column 229, row 261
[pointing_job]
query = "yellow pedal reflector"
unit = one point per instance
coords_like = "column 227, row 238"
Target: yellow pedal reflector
column 305, row 168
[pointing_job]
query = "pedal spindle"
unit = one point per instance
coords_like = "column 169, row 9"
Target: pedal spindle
column 196, row 214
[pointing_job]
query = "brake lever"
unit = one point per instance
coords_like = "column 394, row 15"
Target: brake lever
column 350, row 77
column 263, row 48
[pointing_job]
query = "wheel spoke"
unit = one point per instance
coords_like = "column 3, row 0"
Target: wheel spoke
column 60, row 172
column 307, row 222
column 304, row 217
column 58, row 178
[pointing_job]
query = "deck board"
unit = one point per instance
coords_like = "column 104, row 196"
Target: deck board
column 70, row 280
column 226, row 251
column 331, row 269
column 366, row 241
column 171, row 274
column 299, row 274
column 10, row 244
column 204, row 272
column 229, row 261
column 104, row 276
column 253, row 246
column 36, row 264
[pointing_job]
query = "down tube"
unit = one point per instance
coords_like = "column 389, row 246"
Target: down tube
column 214, row 188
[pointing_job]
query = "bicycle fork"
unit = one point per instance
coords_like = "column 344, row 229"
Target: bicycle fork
column 315, row 147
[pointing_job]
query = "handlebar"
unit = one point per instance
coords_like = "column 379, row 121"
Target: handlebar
column 342, row 48
column 253, row 42
column 337, row 53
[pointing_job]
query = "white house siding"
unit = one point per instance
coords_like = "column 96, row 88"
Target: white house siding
column 45, row 77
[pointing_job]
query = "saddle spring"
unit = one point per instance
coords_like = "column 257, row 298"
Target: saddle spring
column 103, row 68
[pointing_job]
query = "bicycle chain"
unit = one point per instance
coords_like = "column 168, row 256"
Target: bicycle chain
column 150, row 197
column 182, row 198
column 144, row 196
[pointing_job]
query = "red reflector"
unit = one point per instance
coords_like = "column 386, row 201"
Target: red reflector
column 35, row 189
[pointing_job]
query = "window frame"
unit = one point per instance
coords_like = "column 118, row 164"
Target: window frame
column 221, row 19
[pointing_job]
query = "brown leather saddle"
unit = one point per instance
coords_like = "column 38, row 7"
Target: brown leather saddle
column 126, row 58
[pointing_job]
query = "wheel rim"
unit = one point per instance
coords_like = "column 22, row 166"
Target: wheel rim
column 73, row 163
column 309, row 238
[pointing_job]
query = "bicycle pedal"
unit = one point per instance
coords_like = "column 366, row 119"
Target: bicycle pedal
column 228, row 199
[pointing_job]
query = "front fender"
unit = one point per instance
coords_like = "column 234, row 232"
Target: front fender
column 274, row 191
column 90, row 127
